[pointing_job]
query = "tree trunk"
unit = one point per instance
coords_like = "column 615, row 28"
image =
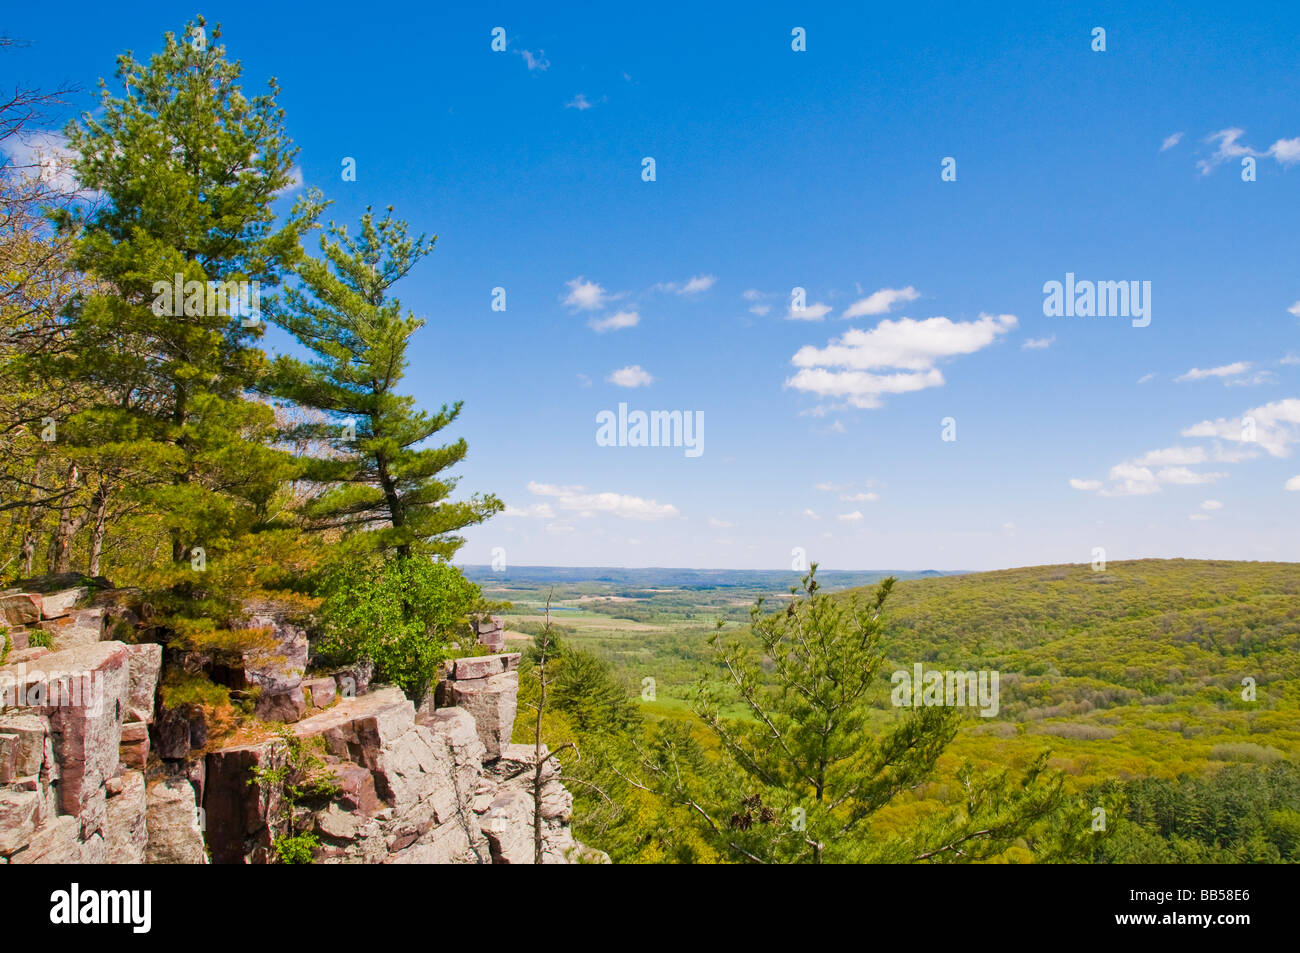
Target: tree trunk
column 61, row 541
column 97, row 532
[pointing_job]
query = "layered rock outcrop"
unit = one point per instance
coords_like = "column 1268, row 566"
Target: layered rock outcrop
column 92, row 771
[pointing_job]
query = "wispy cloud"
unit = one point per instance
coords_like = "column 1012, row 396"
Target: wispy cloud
column 1228, row 146
column 578, row 102
column 1236, row 374
column 880, row 302
column 1038, row 344
column 535, row 61
column 579, row 501
column 614, row 322
column 1171, row 141
column 692, row 286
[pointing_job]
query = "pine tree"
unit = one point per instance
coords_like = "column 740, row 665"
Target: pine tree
column 188, row 169
column 382, row 480
column 806, row 770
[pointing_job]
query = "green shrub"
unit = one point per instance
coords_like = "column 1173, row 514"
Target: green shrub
column 399, row 612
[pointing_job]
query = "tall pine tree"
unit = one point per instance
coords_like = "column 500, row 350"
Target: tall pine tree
column 188, row 169
column 382, row 481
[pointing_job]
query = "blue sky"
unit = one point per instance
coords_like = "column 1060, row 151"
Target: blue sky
column 820, row 169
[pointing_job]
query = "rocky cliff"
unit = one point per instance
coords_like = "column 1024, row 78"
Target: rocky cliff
column 92, row 771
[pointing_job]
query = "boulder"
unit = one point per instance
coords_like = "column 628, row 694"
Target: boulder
column 126, row 835
column 172, row 818
column 287, row 706
column 20, row 608
column 81, row 692
column 490, row 632
column 82, row 627
column 492, row 701
column 22, row 746
column 484, row 666
column 323, row 691
column 133, row 750
column 238, row 814
column 508, row 826
column 19, row 815
column 55, row 604
column 146, row 666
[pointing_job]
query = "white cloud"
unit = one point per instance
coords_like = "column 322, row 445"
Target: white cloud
column 1285, row 151
column 1171, row 141
column 1291, row 359
column 850, row 517
column 1085, row 484
column 585, row 295
column 860, row 497
column 46, row 156
column 1038, row 344
column 1198, row 516
column 1211, row 505
column 1293, row 483
column 1294, row 309
column 1146, row 378
column 809, row 312
column 1225, row 370
column 1276, row 427
column 634, row 375
column 719, row 524
column 614, row 322
column 880, row 302
column 578, row 102
column 584, row 380
column 576, row 499
column 907, row 347
column 811, row 514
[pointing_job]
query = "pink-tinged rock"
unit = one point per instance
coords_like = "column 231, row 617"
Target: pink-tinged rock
column 19, row 640
column 126, row 835
column 508, row 825
column 22, row 746
column 492, row 701
column 356, row 788
column 323, row 691
column 239, row 815
column 82, row 693
column 26, row 655
column 490, row 632
column 133, row 751
column 18, row 813
column 55, row 604
column 21, row 608
column 483, row 666
column 146, row 667
column 287, row 706
column 172, row 820
column 82, row 627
